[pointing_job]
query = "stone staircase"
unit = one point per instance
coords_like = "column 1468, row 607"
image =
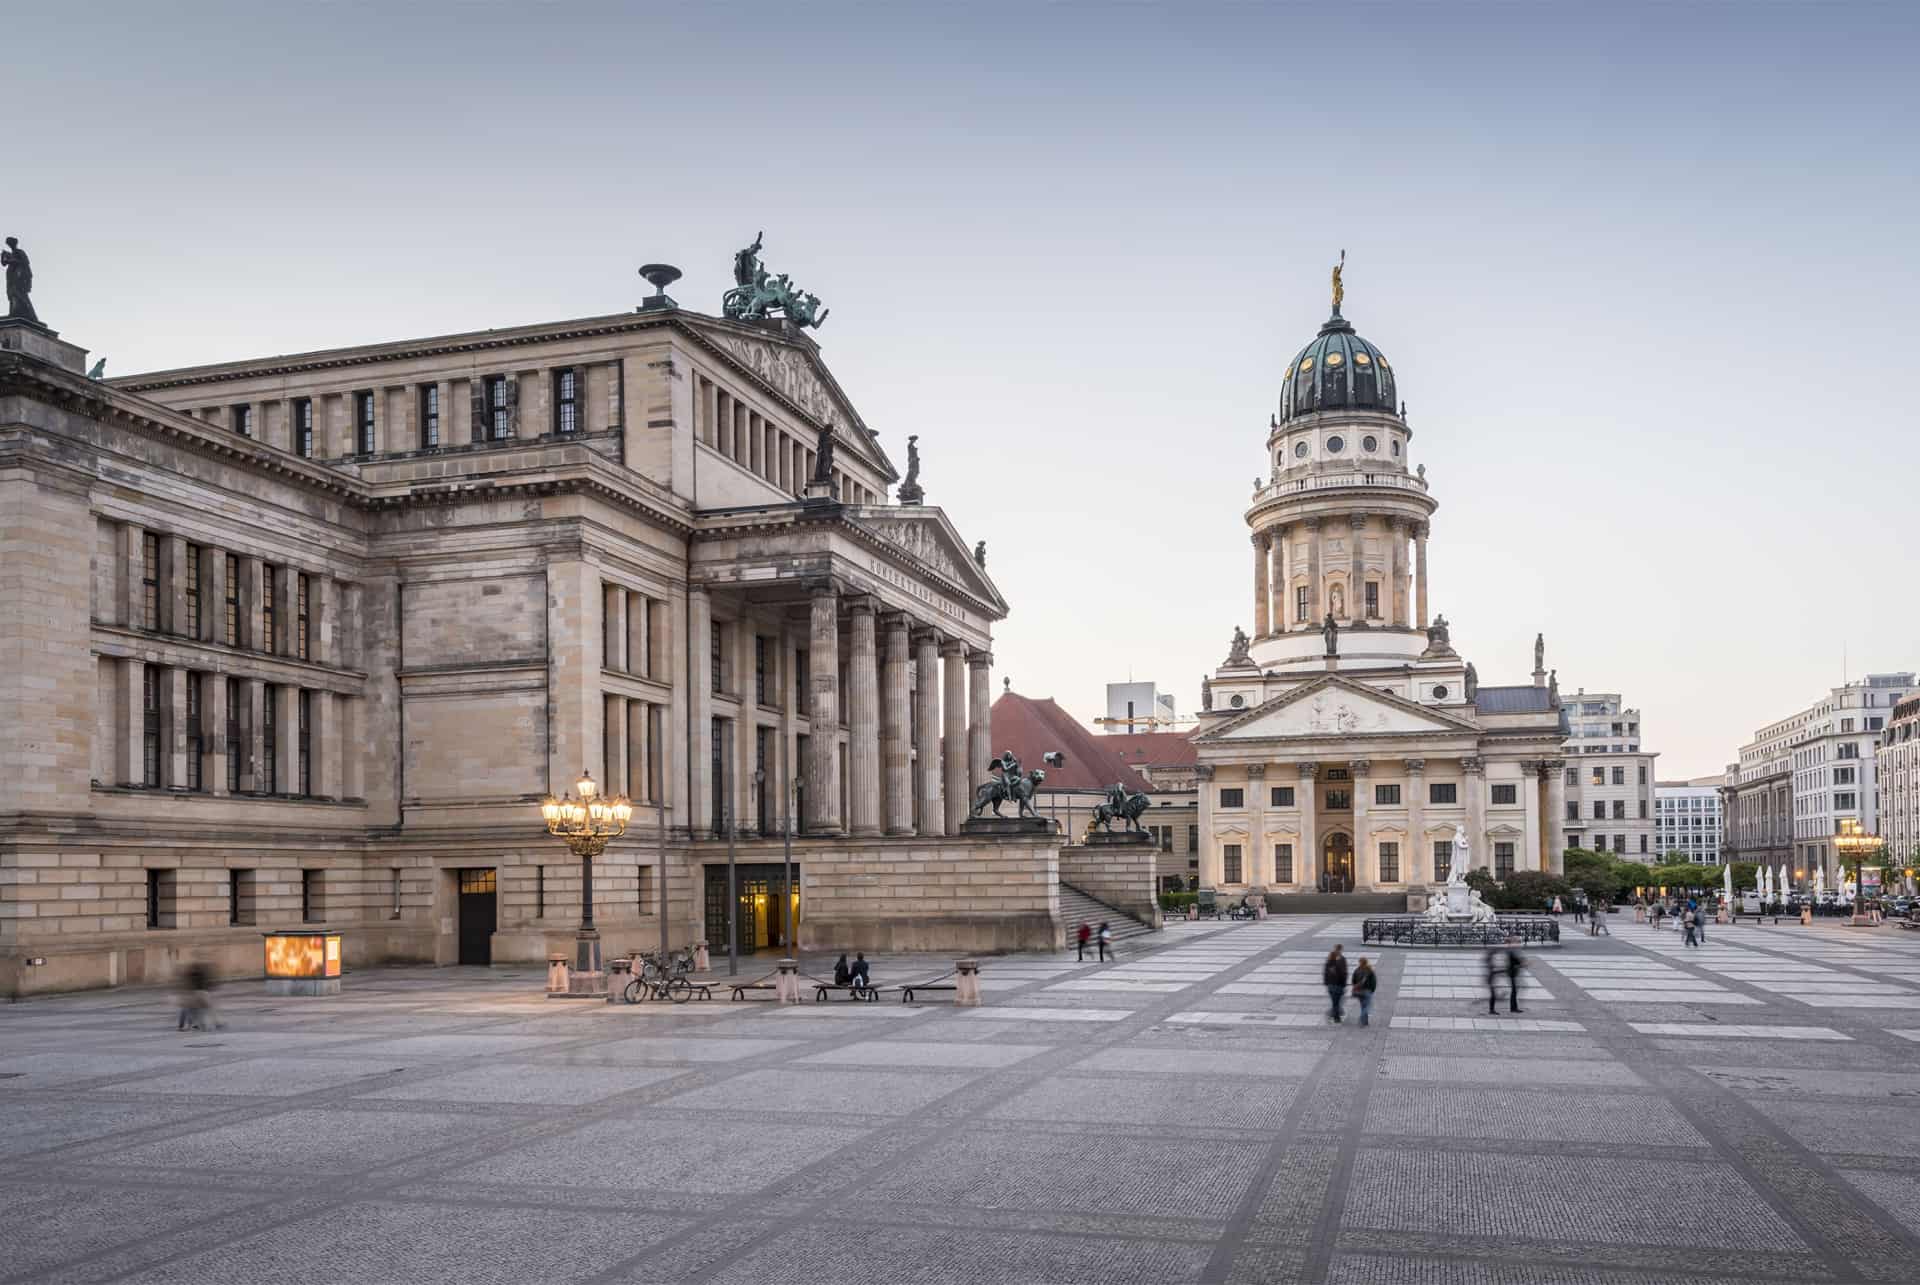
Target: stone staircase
column 1077, row 907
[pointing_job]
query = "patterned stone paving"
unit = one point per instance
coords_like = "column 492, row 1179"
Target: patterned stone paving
column 1738, row 1111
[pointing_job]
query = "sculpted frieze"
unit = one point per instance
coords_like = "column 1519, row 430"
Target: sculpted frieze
column 924, row 542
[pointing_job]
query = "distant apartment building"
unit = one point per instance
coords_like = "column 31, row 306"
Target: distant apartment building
column 1897, row 766
column 1609, row 777
column 1688, row 818
column 1801, row 776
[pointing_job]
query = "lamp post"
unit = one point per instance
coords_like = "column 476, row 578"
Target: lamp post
column 1851, row 841
column 587, row 824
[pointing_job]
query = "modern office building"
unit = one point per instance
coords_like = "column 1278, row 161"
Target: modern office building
column 1687, row 819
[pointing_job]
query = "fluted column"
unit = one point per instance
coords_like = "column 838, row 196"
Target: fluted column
column 1420, row 571
column 1553, row 826
column 1259, row 854
column 1260, row 614
column 896, row 754
column 863, row 723
column 823, row 682
column 1474, row 782
column 1209, row 853
column 1397, row 541
column 1365, row 866
column 953, row 655
column 1314, row 588
column 1279, row 597
column 1419, row 856
column 926, row 732
column 1307, row 797
column 979, row 719
column 613, row 626
column 699, row 812
column 1357, row 568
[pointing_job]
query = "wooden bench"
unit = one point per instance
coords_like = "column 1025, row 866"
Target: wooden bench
column 870, row 994
column 740, row 989
column 906, row 992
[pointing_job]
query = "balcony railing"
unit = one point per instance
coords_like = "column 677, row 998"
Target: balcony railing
column 1339, row 481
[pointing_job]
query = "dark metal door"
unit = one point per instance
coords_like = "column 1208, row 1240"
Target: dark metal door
column 479, row 910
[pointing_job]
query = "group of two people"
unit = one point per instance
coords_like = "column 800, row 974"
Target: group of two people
column 858, row 974
column 1361, row 981
column 1086, row 934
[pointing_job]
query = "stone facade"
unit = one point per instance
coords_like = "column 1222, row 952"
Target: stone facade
column 1610, row 779
column 305, row 638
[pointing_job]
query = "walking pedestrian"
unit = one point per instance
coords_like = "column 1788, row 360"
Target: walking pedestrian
column 1495, row 967
column 1106, row 937
column 1600, row 919
column 1689, row 921
column 1335, row 977
column 1579, row 910
column 1515, row 962
column 1364, row 984
column 1554, row 909
column 1081, row 938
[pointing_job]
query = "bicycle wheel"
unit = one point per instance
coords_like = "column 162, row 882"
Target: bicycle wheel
column 679, row 990
column 633, row 991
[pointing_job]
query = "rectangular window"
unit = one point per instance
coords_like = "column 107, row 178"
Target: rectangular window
column 1846, row 725
column 1373, row 600
column 1843, row 776
column 394, row 884
column 268, row 773
column 803, row 693
column 363, row 423
column 1845, row 800
column 1643, row 844
column 1300, row 603
column 1573, row 776
column 760, row 669
column 566, row 401
column 302, row 622
column 149, row 581
column 1390, row 862
column 644, row 888
column 1442, row 858
column 429, row 416
column 1442, row 792
column 312, row 909
column 1619, row 776
column 1599, row 810
column 150, row 680
column 269, row 606
column 1506, row 794
column 498, row 420
column 1643, row 809
column 715, row 656
column 233, row 735
column 539, row 892
column 230, row 632
column 1193, row 838
column 243, row 420
column 1599, row 776
column 1573, row 810
column 1336, row 774
column 1619, row 809
column 193, row 591
column 303, row 427
column 1280, row 796
column 233, row 897
column 304, row 747
column 1233, row 798
column 1283, row 863
column 1643, row 774
column 160, row 898
column 1620, row 843
column 1231, row 861
column 1386, row 796
column 1502, row 860
column 194, row 737
column 1340, row 800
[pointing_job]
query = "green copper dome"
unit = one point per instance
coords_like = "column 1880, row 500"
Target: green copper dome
column 1337, row 371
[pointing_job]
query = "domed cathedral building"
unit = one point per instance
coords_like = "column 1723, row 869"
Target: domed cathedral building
column 1346, row 746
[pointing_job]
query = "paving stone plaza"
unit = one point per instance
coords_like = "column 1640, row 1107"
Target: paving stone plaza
column 1739, row 1111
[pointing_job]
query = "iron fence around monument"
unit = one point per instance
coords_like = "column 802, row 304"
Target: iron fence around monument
column 1415, row 930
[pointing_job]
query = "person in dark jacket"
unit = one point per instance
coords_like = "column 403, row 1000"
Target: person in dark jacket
column 862, row 971
column 1335, row 977
column 1106, row 940
column 1364, row 984
column 1515, row 962
column 841, row 973
column 1081, row 938
column 1495, row 967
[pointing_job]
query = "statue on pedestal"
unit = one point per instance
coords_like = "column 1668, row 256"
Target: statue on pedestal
column 1122, row 804
column 1011, row 786
column 823, row 455
column 1237, row 649
column 19, row 282
column 1330, row 632
column 910, row 489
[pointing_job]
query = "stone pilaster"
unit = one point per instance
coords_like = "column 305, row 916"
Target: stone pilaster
column 637, row 610
column 1366, row 865
column 863, row 723
column 326, row 745
column 1280, row 596
column 1357, row 574
column 613, row 627
column 1260, row 588
column 926, row 740
column 1419, row 861
column 1307, row 795
column 1209, row 853
column 213, row 595
column 823, row 681
column 1420, row 571
column 979, row 720
column 953, row 775
column 613, row 725
column 1259, row 851
column 1474, row 783
column 213, row 731
column 1553, row 824
column 286, row 619
column 253, row 729
column 324, row 604
column 252, row 578
column 173, row 588
column 1315, row 590
column 896, row 754
column 286, row 731
column 173, row 725
column 699, row 728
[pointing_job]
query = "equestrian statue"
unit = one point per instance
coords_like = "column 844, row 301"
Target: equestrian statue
column 1121, row 805
column 1012, row 785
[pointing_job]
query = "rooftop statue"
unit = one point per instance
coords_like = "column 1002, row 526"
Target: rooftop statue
column 1438, row 637
column 757, row 294
column 1330, row 631
column 1473, row 682
column 980, row 555
column 1539, row 651
column 19, row 282
column 1339, row 290
column 1237, row 649
column 823, row 455
column 910, row 489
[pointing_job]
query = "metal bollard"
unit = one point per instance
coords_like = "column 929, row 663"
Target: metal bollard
column 786, row 987
column 966, row 983
column 701, row 962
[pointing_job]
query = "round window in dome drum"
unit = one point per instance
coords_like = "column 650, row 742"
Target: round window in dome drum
column 1335, row 445
column 1333, row 359
column 1299, row 450
column 1370, row 444
column 1361, row 359
column 1238, row 701
column 1440, row 692
column 1306, row 364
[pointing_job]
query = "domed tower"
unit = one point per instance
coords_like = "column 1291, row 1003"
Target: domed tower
column 1340, row 527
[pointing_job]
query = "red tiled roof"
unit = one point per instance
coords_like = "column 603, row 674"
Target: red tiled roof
column 1153, row 749
column 1030, row 728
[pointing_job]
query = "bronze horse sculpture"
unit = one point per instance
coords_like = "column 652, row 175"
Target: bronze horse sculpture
column 1018, row 789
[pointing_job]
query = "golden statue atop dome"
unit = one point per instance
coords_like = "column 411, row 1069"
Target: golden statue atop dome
column 1339, row 291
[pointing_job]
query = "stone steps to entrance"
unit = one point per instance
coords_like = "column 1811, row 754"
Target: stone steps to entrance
column 1336, row 903
column 1077, row 907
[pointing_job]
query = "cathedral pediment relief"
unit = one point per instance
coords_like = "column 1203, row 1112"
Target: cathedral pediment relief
column 1334, row 708
column 928, row 539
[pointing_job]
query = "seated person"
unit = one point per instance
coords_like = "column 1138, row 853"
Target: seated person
column 841, row 973
column 862, row 971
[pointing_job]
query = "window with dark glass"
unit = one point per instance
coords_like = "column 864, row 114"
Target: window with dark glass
column 1386, row 795
column 1573, row 776
column 429, row 415
column 193, row 591
column 1283, row 863
column 1619, row 809
column 195, row 741
column 268, row 774
column 269, row 607
column 1502, row 860
column 1503, row 794
column 1442, row 792
column 303, row 427
column 363, row 423
column 1280, row 796
column 1336, row 774
column 302, row 623
column 243, row 420
column 311, row 909
column 151, row 677
column 1231, row 860
column 1234, row 797
column 1619, row 776
column 1442, row 858
column 1300, row 602
column 1599, row 810
column 1340, row 800
column 760, row 669
column 304, row 745
column 1373, row 600
column 566, row 401
column 149, row 581
column 230, row 633
column 714, row 655
column 233, row 735
column 804, row 688
column 1390, row 862
column 234, row 896
column 497, row 417
column 156, row 882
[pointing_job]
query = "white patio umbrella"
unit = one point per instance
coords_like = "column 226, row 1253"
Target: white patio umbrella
column 1766, row 883
column 1819, row 882
column 1780, row 889
column 1726, row 879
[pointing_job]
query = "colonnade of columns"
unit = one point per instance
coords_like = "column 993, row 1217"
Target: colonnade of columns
column 1278, row 573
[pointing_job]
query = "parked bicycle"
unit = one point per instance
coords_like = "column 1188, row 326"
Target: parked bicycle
column 661, row 977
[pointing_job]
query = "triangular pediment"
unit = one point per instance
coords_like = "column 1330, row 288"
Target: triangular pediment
column 1335, row 707
column 792, row 369
column 924, row 536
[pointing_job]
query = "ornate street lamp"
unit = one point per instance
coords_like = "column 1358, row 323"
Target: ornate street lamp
column 1851, row 841
column 587, row 824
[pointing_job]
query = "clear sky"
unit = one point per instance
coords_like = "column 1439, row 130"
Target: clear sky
column 1647, row 275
